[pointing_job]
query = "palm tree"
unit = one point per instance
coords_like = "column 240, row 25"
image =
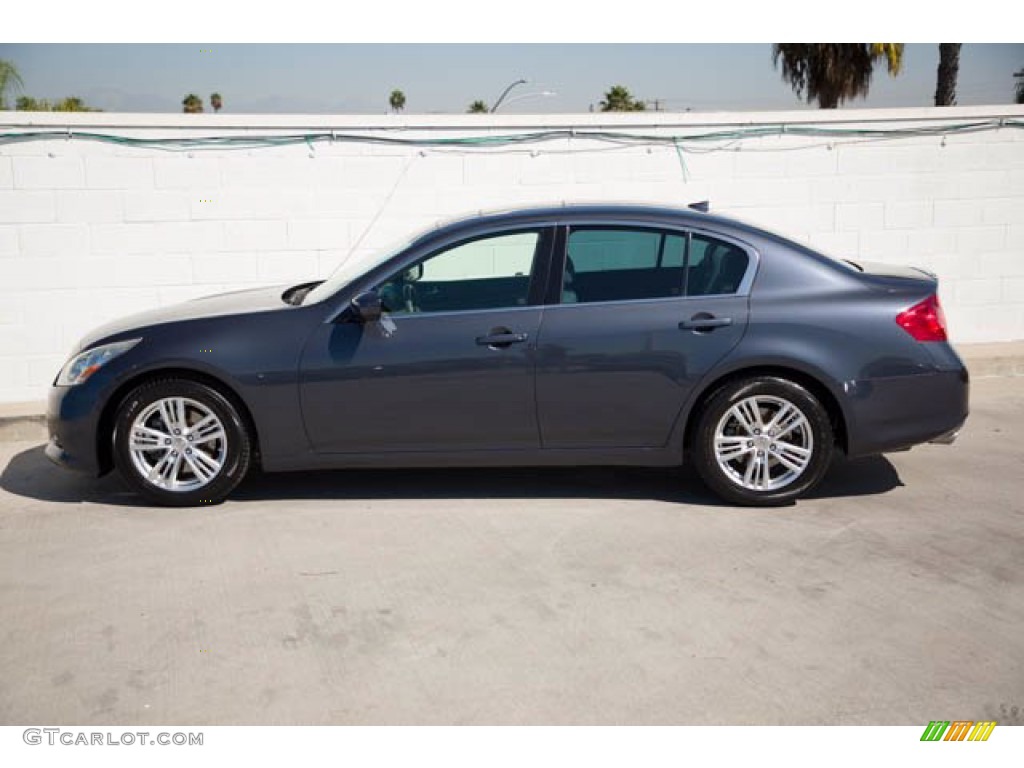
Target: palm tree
column 1019, row 88
column 9, row 77
column 192, row 104
column 70, row 104
column 478, row 107
column 216, row 102
column 397, row 100
column 949, row 67
column 32, row 104
column 619, row 99
column 67, row 104
column 832, row 73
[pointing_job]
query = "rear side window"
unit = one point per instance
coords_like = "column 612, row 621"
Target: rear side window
column 714, row 267
column 621, row 264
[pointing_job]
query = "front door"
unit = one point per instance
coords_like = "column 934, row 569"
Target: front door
column 449, row 367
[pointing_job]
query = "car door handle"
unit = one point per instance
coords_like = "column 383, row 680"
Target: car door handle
column 499, row 338
column 704, row 321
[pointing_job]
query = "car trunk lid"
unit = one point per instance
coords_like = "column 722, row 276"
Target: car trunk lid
column 894, row 278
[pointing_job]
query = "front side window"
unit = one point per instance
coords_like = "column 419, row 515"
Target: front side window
column 491, row 272
column 619, row 264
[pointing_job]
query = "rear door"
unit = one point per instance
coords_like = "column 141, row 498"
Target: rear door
column 643, row 313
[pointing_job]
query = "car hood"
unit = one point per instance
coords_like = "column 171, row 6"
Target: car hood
column 231, row 303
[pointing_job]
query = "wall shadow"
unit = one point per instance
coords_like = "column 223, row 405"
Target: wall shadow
column 30, row 474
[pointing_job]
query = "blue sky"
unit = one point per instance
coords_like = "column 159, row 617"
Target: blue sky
column 444, row 78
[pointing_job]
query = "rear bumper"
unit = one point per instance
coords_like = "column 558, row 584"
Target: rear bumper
column 947, row 439
column 893, row 414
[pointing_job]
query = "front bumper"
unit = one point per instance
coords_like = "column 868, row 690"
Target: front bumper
column 72, row 420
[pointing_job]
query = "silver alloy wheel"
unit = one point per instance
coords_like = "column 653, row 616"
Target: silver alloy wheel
column 763, row 443
column 178, row 444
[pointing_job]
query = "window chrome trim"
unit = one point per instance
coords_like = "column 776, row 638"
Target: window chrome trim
column 645, row 301
column 449, row 312
column 416, row 253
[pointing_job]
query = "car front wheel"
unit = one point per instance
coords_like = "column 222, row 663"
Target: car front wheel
column 180, row 443
column 762, row 441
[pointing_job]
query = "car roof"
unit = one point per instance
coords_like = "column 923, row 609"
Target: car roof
column 568, row 212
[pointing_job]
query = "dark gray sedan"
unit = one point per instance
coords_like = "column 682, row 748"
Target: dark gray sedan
column 597, row 335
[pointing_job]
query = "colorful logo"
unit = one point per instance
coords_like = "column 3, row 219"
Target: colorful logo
column 958, row 730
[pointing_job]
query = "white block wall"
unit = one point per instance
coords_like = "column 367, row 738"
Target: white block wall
column 92, row 231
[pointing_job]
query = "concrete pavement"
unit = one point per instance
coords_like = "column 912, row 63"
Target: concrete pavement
column 895, row 596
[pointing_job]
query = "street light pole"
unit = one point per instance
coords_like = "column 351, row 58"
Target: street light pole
column 505, row 93
column 521, row 96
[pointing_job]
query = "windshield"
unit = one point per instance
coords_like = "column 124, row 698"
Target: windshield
column 351, row 268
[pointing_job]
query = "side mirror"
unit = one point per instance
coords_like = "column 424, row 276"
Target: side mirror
column 367, row 307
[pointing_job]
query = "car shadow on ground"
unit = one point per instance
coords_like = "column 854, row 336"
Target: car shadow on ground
column 30, row 474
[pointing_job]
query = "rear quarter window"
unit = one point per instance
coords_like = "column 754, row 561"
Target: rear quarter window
column 715, row 267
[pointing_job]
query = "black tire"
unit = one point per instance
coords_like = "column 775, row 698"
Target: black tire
column 233, row 452
column 730, row 479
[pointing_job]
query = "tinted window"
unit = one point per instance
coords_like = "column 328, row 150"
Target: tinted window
column 714, row 267
column 487, row 273
column 618, row 264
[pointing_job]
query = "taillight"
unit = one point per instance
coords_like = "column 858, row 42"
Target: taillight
column 925, row 320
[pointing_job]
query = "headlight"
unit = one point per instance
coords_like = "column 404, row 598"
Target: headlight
column 82, row 366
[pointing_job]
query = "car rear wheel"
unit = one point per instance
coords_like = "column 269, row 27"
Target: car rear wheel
column 180, row 443
column 762, row 441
